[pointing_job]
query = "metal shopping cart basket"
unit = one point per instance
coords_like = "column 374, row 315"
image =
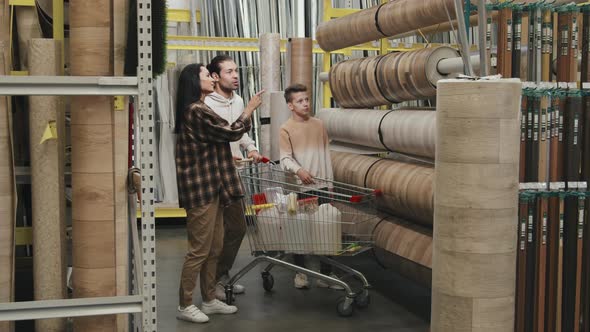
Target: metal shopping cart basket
column 324, row 219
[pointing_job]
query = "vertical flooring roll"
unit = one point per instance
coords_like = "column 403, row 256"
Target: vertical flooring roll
column 270, row 73
column 567, row 66
column 387, row 79
column 7, row 184
column 47, row 183
column 505, row 42
column 280, row 113
column 301, row 60
column 407, row 188
column 93, row 201
column 475, row 205
column 389, row 19
column 121, row 150
column 405, row 131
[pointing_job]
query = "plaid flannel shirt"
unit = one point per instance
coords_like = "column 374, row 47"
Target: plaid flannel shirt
column 204, row 163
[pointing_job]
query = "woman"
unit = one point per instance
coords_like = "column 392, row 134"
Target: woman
column 207, row 181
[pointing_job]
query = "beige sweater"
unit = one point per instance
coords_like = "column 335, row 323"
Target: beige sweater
column 306, row 145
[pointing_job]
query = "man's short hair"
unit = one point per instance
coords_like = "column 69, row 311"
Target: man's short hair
column 292, row 89
column 215, row 65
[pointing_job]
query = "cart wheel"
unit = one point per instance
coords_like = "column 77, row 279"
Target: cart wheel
column 267, row 281
column 363, row 299
column 229, row 295
column 344, row 307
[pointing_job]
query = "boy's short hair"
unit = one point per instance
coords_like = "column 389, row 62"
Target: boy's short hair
column 294, row 88
column 215, row 65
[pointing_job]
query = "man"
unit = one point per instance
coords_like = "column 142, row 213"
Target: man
column 305, row 151
column 229, row 105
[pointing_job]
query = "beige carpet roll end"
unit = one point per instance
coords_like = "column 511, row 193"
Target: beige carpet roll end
column 475, row 205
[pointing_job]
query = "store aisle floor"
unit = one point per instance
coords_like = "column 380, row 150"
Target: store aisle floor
column 286, row 309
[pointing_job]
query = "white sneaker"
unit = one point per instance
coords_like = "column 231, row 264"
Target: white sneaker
column 238, row 289
column 301, row 281
column 218, row 307
column 323, row 284
column 192, row 314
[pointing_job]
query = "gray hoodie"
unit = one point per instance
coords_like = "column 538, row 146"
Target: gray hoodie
column 230, row 109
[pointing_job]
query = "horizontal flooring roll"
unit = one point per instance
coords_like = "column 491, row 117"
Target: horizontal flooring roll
column 384, row 20
column 407, row 188
column 405, row 131
column 390, row 78
column 399, row 244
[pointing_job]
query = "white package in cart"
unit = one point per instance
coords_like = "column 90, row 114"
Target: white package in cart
column 275, row 195
column 268, row 230
column 326, row 230
column 296, row 233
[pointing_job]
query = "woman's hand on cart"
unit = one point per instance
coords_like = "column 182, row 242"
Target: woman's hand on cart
column 305, row 177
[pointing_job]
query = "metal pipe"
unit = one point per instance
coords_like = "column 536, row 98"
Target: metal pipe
column 481, row 28
column 462, row 36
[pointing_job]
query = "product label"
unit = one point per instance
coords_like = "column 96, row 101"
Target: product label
column 530, row 227
column 544, row 226
column 565, row 34
column 576, row 129
column 509, row 35
column 522, row 233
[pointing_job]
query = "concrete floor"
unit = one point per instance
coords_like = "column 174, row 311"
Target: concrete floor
column 288, row 309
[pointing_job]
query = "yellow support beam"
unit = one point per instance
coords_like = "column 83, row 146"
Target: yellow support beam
column 339, row 12
column 58, row 30
column 23, row 236
column 19, row 73
column 24, row 3
column 181, row 15
column 167, row 212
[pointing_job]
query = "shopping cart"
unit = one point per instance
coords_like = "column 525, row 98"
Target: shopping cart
column 324, row 219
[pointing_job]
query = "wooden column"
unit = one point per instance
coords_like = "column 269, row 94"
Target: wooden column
column 505, row 42
column 475, row 205
column 93, row 201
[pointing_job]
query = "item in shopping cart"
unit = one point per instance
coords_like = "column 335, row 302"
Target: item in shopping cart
column 268, row 235
column 292, row 205
column 308, row 205
column 259, row 199
column 275, row 195
column 326, row 231
column 297, row 233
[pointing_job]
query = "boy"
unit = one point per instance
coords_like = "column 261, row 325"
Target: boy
column 304, row 151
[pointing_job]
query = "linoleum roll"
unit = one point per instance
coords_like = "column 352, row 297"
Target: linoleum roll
column 301, row 62
column 47, row 183
column 279, row 113
column 270, row 73
column 407, row 188
column 7, row 185
column 93, row 200
column 476, row 205
column 28, row 28
column 389, row 19
column 386, row 79
column 404, row 131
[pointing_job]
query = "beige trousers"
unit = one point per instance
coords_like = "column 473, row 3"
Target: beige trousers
column 204, row 226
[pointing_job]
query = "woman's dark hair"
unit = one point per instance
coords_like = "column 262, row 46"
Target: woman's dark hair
column 188, row 92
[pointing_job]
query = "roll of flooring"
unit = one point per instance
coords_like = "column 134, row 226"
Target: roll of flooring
column 280, row 113
column 301, row 62
column 270, row 73
column 405, row 131
column 7, row 183
column 399, row 244
column 388, row 19
column 475, row 205
column 93, row 200
column 407, row 188
column 47, row 183
column 386, row 79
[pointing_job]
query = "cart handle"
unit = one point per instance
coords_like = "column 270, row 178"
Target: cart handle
column 264, row 160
